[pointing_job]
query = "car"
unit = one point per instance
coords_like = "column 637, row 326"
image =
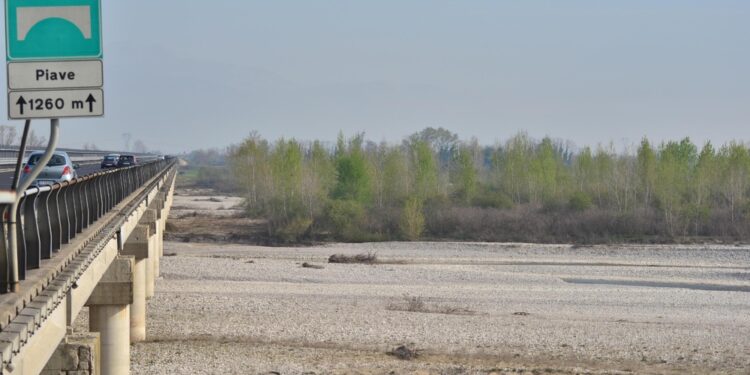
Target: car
column 127, row 161
column 60, row 168
column 110, row 161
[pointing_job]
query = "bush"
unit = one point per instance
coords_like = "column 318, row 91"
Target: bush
column 412, row 219
column 292, row 230
column 368, row 258
column 345, row 218
column 211, row 177
column 492, row 199
column 580, row 201
column 552, row 205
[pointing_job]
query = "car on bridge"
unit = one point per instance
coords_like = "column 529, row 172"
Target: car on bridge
column 60, row 168
column 127, row 161
column 110, row 161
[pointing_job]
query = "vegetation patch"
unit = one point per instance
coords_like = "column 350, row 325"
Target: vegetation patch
column 435, row 186
column 404, row 352
column 418, row 304
column 364, row 258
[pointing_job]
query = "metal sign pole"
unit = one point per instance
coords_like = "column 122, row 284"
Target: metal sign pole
column 12, row 233
column 21, row 152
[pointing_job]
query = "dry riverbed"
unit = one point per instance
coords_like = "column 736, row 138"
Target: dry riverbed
column 457, row 308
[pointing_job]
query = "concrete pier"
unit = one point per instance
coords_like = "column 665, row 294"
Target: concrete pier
column 149, row 219
column 138, row 245
column 109, row 314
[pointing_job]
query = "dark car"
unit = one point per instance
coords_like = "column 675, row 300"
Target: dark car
column 127, row 161
column 110, row 161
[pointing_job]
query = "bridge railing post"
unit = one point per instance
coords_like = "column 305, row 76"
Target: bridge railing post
column 44, row 224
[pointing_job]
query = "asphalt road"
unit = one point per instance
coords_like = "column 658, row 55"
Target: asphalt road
column 6, row 178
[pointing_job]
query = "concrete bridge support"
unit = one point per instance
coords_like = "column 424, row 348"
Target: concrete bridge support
column 77, row 354
column 149, row 219
column 159, row 223
column 109, row 314
column 138, row 246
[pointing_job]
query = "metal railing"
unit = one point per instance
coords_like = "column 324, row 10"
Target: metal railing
column 51, row 216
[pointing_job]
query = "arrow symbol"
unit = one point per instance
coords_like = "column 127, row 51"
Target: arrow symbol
column 21, row 102
column 89, row 100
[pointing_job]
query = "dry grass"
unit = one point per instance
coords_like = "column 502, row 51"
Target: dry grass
column 405, row 352
column 364, row 258
column 418, row 304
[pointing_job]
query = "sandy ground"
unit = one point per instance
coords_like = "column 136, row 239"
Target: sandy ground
column 467, row 308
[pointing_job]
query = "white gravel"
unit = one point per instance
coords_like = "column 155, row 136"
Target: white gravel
column 247, row 309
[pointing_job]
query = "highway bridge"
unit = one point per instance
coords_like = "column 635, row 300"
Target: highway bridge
column 95, row 242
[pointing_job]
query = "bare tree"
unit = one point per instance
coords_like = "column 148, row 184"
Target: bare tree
column 140, row 147
column 127, row 137
column 35, row 141
column 7, row 135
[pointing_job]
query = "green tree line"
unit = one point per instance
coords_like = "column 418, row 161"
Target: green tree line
column 434, row 185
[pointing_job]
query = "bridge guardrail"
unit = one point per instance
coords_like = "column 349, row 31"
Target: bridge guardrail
column 51, row 216
column 9, row 155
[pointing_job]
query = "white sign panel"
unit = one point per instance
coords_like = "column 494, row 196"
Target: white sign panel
column 55, row 104
column 36, row 75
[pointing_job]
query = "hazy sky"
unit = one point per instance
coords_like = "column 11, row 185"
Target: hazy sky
column 191, row 74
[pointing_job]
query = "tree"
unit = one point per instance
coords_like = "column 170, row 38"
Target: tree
column 674, row 168
column 353, row 177
column 90, row 146
column 319, row 177
column 465, row 176
column 646, row 171
column 396, row 179
column 412, row 219
column 735, row 172
column 703, row 188
column 7, row 135
column 442, row 141
column 425, row 171
column 513, row 163
column 35, row 141
column 249, row 164
column 126, row 137
column 139, row 147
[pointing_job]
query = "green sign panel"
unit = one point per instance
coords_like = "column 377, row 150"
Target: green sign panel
column 53, row 29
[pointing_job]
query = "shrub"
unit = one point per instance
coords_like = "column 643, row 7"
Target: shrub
column 345, row 218
column 412, row 219
column 579, row 201
column 368, row 258
column 292, row 230
column 492, row 199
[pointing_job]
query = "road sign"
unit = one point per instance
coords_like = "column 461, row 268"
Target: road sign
column 55, row 103
column 54, row 51
column 28, row 75
column 53, row 29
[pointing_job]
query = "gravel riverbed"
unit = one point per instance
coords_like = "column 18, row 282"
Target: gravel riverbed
column 465, row 308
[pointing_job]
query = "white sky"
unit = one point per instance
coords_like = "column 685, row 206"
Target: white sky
column 193, row 74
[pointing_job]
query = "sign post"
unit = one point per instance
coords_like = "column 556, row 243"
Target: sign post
column 54, row 54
